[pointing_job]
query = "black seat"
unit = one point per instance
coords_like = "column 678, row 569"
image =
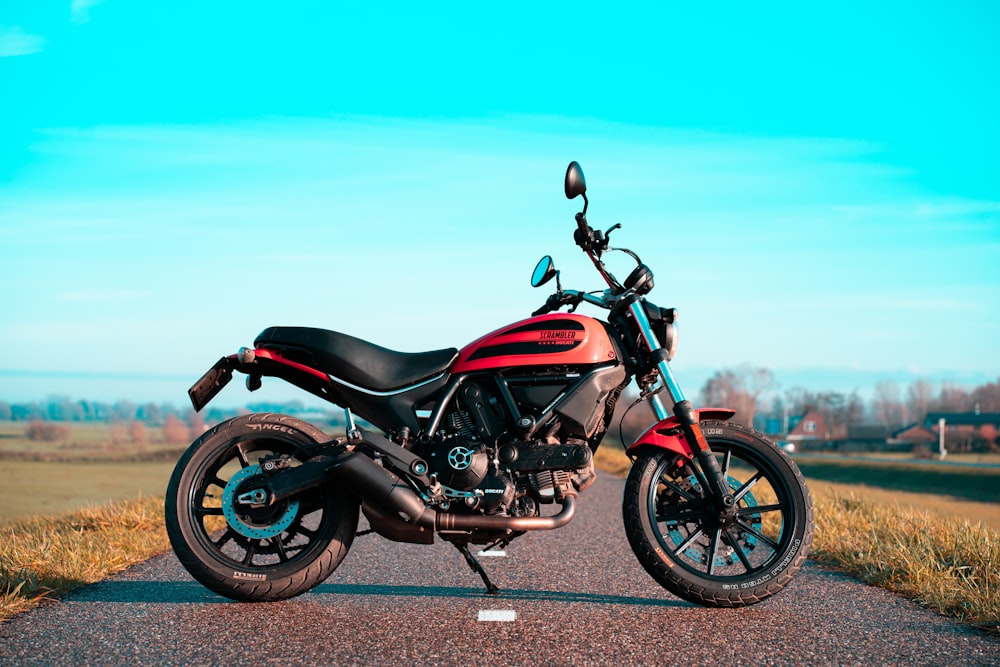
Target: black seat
column 356, row 361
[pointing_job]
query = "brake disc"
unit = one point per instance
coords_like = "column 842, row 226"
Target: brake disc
column 255, row 521
column 725, row 554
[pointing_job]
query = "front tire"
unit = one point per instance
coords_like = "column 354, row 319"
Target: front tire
column 682, row 542
column 255, row 553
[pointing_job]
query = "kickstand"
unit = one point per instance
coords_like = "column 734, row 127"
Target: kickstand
column 491, row 588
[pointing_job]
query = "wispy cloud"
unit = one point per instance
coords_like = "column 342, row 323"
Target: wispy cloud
column 80, row 10
column 101, row 295
column 14, row 41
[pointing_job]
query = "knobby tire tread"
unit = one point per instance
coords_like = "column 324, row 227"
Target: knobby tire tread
column 674, row 577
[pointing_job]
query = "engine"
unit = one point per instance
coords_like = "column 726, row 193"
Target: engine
column 485, row 467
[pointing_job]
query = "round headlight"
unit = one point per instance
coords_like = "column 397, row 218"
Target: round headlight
column 670, row 340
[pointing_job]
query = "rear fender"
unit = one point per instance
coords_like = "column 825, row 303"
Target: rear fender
column 668, row 435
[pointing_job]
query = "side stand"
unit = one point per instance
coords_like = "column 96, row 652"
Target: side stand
column 491, row 588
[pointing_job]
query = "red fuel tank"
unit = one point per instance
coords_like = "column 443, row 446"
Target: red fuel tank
column 554, row 339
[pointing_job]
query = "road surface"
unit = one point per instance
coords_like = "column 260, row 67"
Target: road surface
column 570, row 596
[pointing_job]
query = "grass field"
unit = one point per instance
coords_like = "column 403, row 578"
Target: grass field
column 93, row 466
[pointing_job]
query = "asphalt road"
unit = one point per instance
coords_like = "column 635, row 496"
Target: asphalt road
column 571, row 596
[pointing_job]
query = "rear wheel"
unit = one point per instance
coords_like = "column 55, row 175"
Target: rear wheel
column 255, row 552
column 700, row 554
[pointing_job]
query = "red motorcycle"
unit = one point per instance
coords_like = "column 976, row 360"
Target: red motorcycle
column 476, row 443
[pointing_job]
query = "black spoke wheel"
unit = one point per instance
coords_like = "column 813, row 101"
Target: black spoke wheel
column 255, row 552
column 708, row 556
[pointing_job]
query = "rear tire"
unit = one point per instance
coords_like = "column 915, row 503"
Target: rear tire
column 680, row 540
column 255, row 553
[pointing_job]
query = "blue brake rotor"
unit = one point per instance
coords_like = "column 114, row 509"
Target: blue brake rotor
column 253, row 531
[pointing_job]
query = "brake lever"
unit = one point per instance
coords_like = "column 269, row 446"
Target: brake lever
column 607, row 234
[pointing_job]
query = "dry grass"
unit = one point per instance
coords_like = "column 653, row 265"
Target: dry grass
column 48, row 556
column 948, row 565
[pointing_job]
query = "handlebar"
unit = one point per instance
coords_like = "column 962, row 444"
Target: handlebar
column 574, row 298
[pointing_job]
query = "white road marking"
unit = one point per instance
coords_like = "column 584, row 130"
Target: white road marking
column 492, row 554
column 499, row 615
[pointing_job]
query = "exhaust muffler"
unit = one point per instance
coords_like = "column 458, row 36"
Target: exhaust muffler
column 390, row 496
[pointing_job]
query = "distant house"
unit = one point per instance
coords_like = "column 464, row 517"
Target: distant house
column 810, row 427
column 969, row 419
column 868, row 433
column 916, row 434
column 962, row 429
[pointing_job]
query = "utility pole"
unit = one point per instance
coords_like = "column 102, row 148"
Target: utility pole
column 942, row 452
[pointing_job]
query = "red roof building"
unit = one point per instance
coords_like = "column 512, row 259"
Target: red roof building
column 810, row 427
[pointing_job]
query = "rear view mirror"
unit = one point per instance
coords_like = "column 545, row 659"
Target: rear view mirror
column 575, row 184
column 544, row 271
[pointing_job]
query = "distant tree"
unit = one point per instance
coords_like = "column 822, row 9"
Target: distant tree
column 5, row 412
column 987, row 397
column 196, row 421
column 919, row 398
column 799, row 399
column 47, row 431
column 137, row 433
column 740, row 389
column 25, row 411
column 150, row 413
column 887, row 406
column 175, row 431
column 124, row 411
column 118, row 433
column 953, row 398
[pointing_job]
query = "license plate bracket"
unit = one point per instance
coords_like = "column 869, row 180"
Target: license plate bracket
column 211, row 383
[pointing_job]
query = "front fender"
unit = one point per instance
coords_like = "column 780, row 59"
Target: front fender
column 667, row 433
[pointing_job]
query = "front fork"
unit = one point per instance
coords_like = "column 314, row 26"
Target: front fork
column 685, row 414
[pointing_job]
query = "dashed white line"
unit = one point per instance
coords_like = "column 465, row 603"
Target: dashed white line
column 497, row 615
column 492, row 554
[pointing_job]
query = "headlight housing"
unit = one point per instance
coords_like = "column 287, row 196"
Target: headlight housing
column 663, row 323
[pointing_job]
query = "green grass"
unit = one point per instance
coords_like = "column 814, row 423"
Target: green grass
column 967, row 482
column 92, row 466
column 31, row 488
column 87, row 442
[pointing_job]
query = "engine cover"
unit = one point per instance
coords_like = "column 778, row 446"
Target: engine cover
column 459, row 463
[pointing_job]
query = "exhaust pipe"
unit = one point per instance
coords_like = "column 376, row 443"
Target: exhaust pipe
column 392, row 496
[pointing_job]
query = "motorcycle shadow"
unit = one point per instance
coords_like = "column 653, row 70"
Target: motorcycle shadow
column 508, row 594
column 191, row 592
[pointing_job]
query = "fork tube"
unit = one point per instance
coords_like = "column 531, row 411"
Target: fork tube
column 685, row 414
column 653, row 344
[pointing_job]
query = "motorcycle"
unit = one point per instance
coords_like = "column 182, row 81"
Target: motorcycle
column 477, row 444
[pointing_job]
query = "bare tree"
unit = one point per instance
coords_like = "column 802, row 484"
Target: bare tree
column 987, row 397
column 919, row 399
column 887, row 405
column 739, row 389
column 953, row 398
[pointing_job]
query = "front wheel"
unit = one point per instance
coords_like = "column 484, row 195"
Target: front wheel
column 703, row 555
column 250, row 552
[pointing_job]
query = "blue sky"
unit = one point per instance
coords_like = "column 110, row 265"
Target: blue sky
column 816, row 188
